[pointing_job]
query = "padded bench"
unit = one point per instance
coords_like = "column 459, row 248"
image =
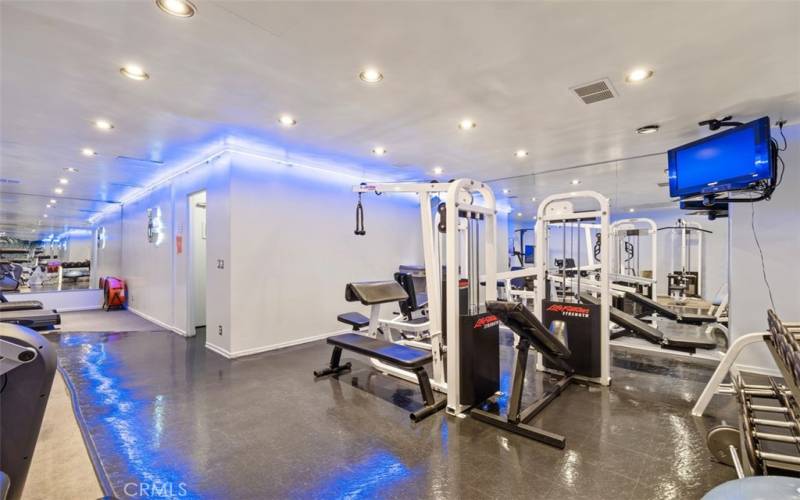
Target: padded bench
column 391, row 353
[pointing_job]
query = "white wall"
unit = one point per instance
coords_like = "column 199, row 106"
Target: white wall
column 284, row 238
column 293, row 250
column 107, row 261
column 79, row 248
column 63, row 301
column 777, row 224
column 157, row 274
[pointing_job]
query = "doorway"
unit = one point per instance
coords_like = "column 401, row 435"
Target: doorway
column 197, row 263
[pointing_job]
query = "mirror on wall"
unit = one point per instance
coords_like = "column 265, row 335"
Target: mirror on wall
column 47, row 244
column 689, row 265
column 55, row 262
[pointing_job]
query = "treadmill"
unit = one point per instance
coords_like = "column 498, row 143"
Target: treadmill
column 34, row 316
column 653, row 335
column 18, row 305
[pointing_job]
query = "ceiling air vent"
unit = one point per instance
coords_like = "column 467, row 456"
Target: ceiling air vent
column 663, row 184
column 596, row 91
column 3, row 180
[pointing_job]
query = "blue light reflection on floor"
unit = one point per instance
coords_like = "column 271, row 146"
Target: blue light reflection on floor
column 122, row 422
column 371, row 477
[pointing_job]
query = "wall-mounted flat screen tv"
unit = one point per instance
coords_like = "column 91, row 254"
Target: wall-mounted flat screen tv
column 732, row 160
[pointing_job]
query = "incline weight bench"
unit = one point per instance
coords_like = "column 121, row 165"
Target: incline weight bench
column 532, row 333
column 651, row 305
column 401, row 356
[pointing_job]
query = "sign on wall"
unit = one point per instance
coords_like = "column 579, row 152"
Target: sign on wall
column 155, row 226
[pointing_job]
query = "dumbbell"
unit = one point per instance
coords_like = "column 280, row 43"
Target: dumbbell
column 723, row 442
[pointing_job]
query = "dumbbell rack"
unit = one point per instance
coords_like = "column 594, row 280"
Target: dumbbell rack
column 769, row 416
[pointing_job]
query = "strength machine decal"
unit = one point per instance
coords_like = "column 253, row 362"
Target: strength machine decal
column 486, row 322
column 569, row 310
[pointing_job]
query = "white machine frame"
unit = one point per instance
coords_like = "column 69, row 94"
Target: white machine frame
column 652, row 231
column 685, row 253
column 459, row 197
column 558, row 208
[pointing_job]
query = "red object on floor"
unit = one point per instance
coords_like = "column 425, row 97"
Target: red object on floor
column 115, row 293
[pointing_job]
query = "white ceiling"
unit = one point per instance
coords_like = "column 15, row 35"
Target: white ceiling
column 235, row 66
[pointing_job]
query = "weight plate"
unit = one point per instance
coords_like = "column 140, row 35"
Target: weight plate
column 719, row 439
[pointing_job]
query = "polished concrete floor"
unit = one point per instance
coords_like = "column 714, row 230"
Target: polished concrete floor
column 60, row 447
column 162, row 410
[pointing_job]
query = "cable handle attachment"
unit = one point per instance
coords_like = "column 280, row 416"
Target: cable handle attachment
column 359, row 231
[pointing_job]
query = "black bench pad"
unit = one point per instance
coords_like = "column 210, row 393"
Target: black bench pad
column 355, row 319
column 525, row 324
column 696, row 319
column 374, row 292
column 395, row 354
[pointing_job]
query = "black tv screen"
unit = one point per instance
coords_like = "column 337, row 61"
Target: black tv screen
column 732, row 160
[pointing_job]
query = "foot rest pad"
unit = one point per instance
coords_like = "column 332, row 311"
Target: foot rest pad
column 354, row 319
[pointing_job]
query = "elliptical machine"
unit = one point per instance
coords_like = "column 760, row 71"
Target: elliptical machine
column 27, row 368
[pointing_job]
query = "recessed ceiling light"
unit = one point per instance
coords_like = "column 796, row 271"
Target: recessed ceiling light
column 506, row 190
column 533, row 199
column 44, row 215
column 134, row 72
column 53, row 201
column 88, row 152
column 47, row 206
column 638, row 74
column 521, row 153
column 379, row 151
column 178, row 8
column 575, row 182
column 58, row 190
column 519, row 214
column 438, row 170
column 63, row 180
column 467, row 124
column 573, row 193
column 71, row 170
column 103, row 124
column 647, row 129
column 371, row 75
column 287, row 120
column 631, row 210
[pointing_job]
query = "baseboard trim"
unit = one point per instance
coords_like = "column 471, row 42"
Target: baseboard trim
column 76, row 309
column 219, row 350
column 273, row 347
column 157, row 321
